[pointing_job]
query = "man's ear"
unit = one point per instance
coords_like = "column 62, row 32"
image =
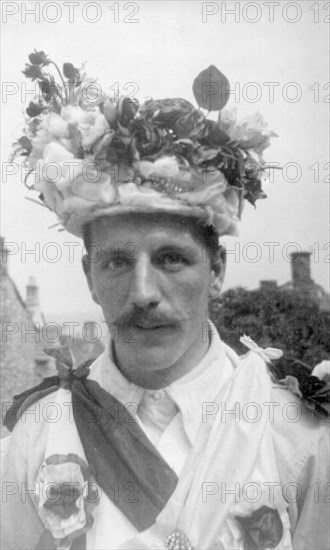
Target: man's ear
column 218, row 267
column 87, row 270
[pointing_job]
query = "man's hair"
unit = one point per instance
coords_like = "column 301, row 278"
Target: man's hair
column 204, row 233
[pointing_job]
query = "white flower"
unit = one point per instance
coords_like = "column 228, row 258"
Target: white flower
column 266, row 354
column 56, row 153
column 72, row 115
column 208, row 195
column 132, row 195
column 322, row 371
column 164, row 167
column 39, row 142
column 56, row 126
column 92, row 126
column 51, row 196
column 227, row 120
column 94, row 186
column 251, row 131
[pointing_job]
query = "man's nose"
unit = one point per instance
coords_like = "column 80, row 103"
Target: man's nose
column 145, row 289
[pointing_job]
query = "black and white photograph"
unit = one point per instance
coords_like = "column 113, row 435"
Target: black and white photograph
column 164, row 254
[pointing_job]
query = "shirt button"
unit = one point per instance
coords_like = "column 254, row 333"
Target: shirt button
column 156, row 396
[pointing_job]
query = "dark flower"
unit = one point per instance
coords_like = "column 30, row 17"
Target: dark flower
column 39, row 58
column 295, row 375
column 118, row 148
column 71, row 73
column 190, row 125
column 62, row 500
column 262, row 530
column 49, row 90
column 165, row 112
column 34, row 109
column 148, row 138
column 127, row 108
column 33, row 71
column 213, row 135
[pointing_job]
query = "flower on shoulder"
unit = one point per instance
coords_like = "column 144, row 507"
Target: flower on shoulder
column 66, row 494
column 322, row 371
column 267, row 354
column 314, row 391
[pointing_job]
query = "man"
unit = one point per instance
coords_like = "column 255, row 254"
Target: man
column 168, row 440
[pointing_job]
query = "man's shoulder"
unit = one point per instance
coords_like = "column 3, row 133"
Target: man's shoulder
column 292, row 411
column 33, row 420
column 293, row 417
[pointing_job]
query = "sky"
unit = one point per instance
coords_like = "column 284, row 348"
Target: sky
column 276, row 60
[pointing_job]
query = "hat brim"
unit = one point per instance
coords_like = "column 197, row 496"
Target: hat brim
column 77, row 221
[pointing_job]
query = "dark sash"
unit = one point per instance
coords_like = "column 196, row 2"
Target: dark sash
column 126, row 465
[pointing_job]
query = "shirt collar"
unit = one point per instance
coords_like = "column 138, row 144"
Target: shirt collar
column 189, row 393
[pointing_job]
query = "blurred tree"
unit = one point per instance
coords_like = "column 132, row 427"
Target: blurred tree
column 286, row 319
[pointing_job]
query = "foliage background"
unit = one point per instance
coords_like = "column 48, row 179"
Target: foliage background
column 285, row 319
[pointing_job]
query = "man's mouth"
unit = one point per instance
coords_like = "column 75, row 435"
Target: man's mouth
column 151, row 326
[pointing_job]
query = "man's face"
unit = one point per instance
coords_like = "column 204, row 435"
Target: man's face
column 152, row 278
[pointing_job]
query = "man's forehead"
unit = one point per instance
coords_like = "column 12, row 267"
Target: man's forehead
column 141, row 225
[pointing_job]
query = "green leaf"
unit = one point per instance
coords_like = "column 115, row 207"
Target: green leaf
column 211, row 89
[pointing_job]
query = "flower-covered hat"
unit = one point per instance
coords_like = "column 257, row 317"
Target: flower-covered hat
column 93, row 155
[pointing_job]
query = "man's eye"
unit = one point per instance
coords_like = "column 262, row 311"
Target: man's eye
column 171, row 259
column 116, row 264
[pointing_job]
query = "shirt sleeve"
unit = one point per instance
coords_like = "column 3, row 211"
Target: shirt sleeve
column 313, row 510
column 21, row 527
column 302, row 453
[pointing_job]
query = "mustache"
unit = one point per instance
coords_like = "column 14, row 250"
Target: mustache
column 137, row 315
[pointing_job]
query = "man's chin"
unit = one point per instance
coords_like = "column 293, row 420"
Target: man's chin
column 149, row 337
column 144, row 355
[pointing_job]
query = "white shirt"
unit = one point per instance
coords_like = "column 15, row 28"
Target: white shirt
column 171, row 418
column 155, row 409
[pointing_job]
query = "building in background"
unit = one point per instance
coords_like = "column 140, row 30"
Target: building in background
column 25, row 333
column 18, row 347
column 301, row 281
